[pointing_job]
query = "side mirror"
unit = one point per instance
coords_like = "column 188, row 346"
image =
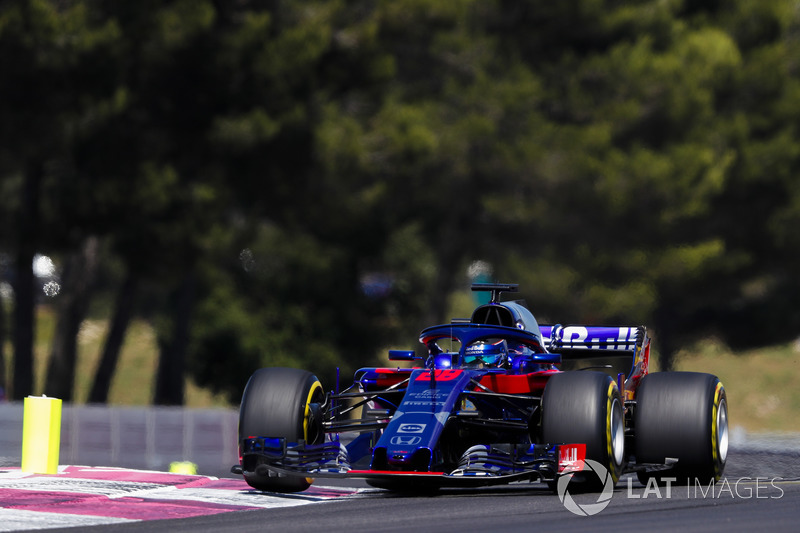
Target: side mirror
column 402, row 355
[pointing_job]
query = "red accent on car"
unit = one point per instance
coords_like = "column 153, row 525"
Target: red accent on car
column 571, row 458
column 439, row 375
column 532, row 383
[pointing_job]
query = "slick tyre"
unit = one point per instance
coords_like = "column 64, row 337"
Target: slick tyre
column 682, row 416
column 280, row 403
column 586, row 407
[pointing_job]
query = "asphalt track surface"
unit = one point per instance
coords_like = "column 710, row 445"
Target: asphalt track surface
column 761, row 489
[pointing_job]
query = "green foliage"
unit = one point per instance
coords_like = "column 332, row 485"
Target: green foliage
column 328, row 170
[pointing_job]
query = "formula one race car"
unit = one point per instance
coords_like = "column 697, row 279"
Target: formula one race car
column 497, row 399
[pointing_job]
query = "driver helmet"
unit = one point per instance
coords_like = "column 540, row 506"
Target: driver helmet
column 486, row 354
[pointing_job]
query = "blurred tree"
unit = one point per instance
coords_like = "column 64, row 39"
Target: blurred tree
column 52, row 56
column 757, row 213
column 153, row 196
column 302, row 184
column 646, row 202
column 294, row 249
column 585, row 158
column 448, row 129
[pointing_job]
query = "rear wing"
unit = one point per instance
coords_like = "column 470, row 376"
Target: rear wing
column 615, row 349
column 560, row 338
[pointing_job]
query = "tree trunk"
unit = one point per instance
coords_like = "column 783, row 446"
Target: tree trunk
column 24, row 288
column 77, row 281
column 172, row 357
column 665, row 338
column 123, row 311
column 3, row 383
column 24, row 323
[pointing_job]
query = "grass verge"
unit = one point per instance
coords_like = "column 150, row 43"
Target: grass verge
column 134, row 380
column 763, row 385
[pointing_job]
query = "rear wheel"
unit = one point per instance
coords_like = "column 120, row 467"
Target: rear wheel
column 682, row 416
column 280, row 403
column 586, row 407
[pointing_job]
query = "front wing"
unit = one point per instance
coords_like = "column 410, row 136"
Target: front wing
column 481, row 465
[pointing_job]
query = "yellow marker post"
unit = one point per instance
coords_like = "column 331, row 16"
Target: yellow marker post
column 41, row 435
column 183, row 467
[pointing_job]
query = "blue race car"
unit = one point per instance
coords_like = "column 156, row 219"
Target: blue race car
column 497, row 399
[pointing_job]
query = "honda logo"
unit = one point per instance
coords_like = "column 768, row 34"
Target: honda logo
column 405, row 441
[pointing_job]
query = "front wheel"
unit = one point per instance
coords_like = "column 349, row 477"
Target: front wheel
column 681, row 419
column 280, row 403
column 586, row 407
